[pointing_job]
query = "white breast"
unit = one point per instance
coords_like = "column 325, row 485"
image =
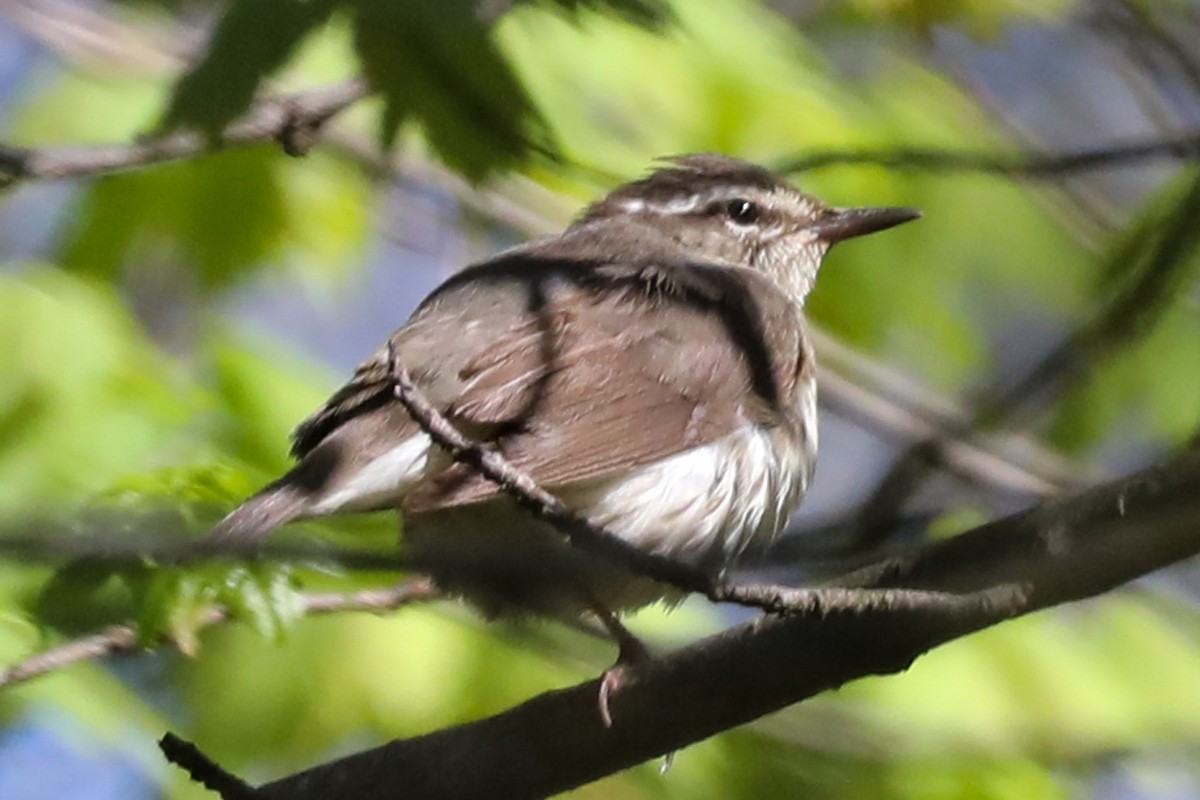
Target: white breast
column 707, row 504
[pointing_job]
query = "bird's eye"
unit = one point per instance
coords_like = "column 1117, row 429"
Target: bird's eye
column 742, row 211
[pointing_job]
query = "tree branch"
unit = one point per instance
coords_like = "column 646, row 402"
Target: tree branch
column 1062, row 551
column 121, row 639
column 202, row 769
column 1184, row 147
column 292, row 120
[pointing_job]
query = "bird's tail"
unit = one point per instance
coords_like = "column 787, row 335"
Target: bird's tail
column 249, row 523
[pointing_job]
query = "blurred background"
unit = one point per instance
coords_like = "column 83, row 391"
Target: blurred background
column 162, row 329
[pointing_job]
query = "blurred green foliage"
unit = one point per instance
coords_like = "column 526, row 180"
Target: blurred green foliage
column 86, row 395
column 124, row 387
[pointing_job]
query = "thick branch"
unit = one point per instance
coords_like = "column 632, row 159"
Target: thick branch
column 1061, row 551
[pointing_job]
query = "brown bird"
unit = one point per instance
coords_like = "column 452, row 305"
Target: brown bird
column 648, row 365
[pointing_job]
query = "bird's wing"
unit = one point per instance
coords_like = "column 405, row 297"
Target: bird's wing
column 572, row 371
column 623, row 366
column 370, row 388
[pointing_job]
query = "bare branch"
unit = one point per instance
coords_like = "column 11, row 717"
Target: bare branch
column 113, row 639
column 121, row 639
column 1185, row 147
column 1146, row 38
column 292, row 120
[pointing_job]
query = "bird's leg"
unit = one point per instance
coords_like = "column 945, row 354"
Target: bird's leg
column 631, row 651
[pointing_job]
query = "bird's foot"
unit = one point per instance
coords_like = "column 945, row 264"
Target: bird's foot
column 632, row 652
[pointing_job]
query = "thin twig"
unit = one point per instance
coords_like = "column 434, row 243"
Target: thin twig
column 826, row 600
column 120, row 639
column 117, row 551
column 893, row 405
column 113, row 639
column 1148, row 40
column 87, row 37
column 1027, row 164
column 533, row 498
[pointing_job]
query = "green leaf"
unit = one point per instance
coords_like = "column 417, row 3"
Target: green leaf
column 174, row 605
column 263, row 595
column 224, row 214
column 180, row 487
column 1170, row 362
column 434, row 62
column 1089, row 410
column 252, row 40
column 86, row 594
column 86, row 108
column 209, row 223
column 1153, row 386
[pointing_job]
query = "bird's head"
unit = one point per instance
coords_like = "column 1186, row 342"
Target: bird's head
column 725, row 209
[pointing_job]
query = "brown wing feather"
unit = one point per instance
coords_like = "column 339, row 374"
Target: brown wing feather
column 575, row 368
column 615, row 381
column 367, row 390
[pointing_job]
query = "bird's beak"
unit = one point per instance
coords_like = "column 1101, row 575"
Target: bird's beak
column 846, row 223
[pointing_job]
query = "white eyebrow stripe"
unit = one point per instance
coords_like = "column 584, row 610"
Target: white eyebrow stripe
column 789, row 202
column 689, row 203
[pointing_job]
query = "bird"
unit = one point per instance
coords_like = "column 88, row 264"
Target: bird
column 649, row 366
